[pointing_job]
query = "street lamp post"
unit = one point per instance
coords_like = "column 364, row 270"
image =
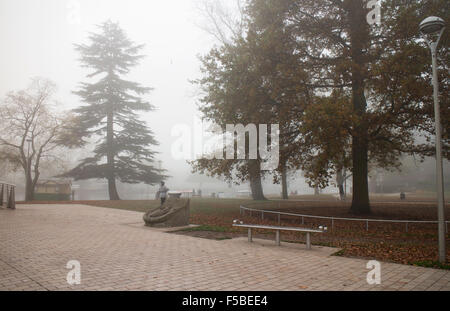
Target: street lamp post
column 429, row 27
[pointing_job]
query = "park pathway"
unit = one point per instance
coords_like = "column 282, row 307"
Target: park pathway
column 116, row 252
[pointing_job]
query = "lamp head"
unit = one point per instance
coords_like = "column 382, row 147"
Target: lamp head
column 431, row 25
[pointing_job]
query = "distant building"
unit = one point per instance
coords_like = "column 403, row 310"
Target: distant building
column 53, row 190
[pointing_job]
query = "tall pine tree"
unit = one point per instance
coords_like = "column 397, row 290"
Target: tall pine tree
column 122, row 150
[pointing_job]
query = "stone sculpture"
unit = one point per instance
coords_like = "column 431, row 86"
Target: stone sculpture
column 173, row 213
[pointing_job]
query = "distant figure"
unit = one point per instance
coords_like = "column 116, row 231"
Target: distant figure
column 163, row 192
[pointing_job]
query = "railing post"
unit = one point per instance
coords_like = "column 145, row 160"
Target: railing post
column 367, row 225
column 279, row 219
column 332, row 223
column 406, row 226
column 1, row 194
column 303, row 220
column 262, row 215
column 14, row 198
column 7, row 195
column 11, row 201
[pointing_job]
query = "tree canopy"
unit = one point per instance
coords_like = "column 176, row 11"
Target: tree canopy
column 29, row 131
column 110, row 115
column 348, row 93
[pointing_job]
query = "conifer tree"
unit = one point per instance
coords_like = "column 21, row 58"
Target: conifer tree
column 110, row 114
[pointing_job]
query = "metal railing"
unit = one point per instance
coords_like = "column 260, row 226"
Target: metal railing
column 7, row 195
column 242, row 210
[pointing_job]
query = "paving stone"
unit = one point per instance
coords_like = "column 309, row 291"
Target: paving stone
column 117, row 252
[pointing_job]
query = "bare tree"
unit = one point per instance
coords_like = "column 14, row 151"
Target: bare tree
column 29, row 130
column 224, row 22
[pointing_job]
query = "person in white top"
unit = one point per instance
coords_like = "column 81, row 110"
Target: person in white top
column 163, row 192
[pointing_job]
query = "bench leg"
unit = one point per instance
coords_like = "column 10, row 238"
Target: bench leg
column 250, row 234
column 277, row 237
column 308, row 240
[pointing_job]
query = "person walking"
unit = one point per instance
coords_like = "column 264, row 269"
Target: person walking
column 163, row 192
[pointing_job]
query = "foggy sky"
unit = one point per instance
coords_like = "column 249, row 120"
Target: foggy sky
column 37, row 38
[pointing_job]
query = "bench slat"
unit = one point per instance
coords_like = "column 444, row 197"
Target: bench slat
column 279, row 228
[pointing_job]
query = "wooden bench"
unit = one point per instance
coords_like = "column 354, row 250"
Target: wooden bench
column 278, row 229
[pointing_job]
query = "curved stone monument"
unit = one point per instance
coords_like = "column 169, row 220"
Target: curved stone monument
column 173, row 213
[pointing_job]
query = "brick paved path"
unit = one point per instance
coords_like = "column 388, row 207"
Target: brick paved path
column 117, row 252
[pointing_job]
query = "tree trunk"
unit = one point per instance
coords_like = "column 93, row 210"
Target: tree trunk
column 360, row 200
column 316, row 190
column 29, row 187
column 284, row 185
column 340, row 178
column 255, row 180
column 112, row 189
column 341, row 192
column 359, row 35
column 29, row 191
